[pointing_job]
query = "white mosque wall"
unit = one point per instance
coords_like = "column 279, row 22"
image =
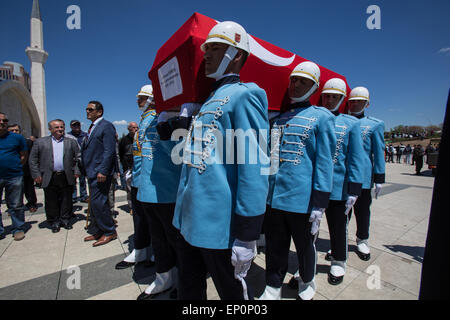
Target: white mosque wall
column 17, row 104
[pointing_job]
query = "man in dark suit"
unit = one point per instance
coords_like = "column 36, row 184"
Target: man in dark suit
column 54, row 164
column 126, row 157
column 28, row 182
column 418, row 158
column 98, row 154
column 80, row 135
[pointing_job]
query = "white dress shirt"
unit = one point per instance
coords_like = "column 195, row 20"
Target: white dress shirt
column 58, row 154
column 94, row 125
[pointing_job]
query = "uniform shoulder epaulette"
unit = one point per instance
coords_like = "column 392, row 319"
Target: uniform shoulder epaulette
column 323, row 109
column 351, row 119
column 250, row 85
column 375, row 119
column 240, row 87
column 253, row 87
column 347, row 116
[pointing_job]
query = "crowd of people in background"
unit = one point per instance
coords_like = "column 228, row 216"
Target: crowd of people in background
column 54, row 164
column 413, row 132
column 412, row 155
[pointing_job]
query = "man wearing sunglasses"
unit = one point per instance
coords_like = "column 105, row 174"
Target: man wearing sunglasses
column 98, row 157
column 13, row 154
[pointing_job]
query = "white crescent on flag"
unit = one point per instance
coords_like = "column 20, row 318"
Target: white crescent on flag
column 267, row 56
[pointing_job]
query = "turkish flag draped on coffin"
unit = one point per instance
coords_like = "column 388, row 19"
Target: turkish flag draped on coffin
column 178, row 72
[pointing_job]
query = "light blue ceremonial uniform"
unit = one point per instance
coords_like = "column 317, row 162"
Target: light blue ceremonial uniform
column 372, row 133
column 146, row 118
column 159, row 175
column 218, row 194
column 306, row 144
column 347, row 159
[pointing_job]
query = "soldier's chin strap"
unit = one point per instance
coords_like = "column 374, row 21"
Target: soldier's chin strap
column 227, row 57
column 362, row 110
column 147, row 104
column 338, row 105
column 306, row 95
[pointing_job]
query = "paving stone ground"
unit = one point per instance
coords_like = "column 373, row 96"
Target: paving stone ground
column 43, row 265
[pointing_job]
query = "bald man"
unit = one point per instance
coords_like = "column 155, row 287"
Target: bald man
column 125, row 145
column 126, row 155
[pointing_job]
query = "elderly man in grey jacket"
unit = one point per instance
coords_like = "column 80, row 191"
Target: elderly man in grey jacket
column 54, row 164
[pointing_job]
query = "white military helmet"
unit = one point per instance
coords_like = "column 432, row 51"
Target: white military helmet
column 230, row 33
column 146, row 90
column 309, row 70
column 359, row 93
column 336, row 86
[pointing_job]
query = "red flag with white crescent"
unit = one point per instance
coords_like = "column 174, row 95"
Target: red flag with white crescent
column 178, row 72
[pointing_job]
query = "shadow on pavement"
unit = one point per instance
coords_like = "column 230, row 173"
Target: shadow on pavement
column 44, row 225
column 26, row 227
column 77, row 208
column 424, row 173
column 144, row 273
column 256, row 280
column 322, row 245
column 130, row 242
column 125, row 208
column 415, row 252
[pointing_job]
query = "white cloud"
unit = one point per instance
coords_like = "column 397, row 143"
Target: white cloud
column 444, row 50
column 120, row 123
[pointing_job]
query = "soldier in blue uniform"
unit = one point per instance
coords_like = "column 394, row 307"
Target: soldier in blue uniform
column 142, row 235
column 299, row 192
column 221, row 196
column 157, row 190
column 347, row 177
column 372, row 133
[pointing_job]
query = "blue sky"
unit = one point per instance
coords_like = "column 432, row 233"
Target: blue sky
column 405, row 65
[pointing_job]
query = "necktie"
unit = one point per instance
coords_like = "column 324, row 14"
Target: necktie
column 90, row 128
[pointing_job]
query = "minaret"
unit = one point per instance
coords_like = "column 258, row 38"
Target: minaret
column 38, row 56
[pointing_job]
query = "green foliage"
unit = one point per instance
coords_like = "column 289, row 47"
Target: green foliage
column 417, row 132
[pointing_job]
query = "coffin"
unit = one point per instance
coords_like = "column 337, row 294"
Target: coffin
column 177, row 73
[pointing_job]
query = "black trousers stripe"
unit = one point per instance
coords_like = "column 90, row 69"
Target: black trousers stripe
column 279, row 227
column 164, row 234
column 141, row 222
column 337, row 226
column 362, row 214
column 58, row 200
column 194, row 264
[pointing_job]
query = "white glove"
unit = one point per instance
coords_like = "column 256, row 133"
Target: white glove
column 128, row 174
column 166, row 115
column 187, row 109
column 315, row 217
column 242, row 255
column 350, row 203
column 377, row 190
